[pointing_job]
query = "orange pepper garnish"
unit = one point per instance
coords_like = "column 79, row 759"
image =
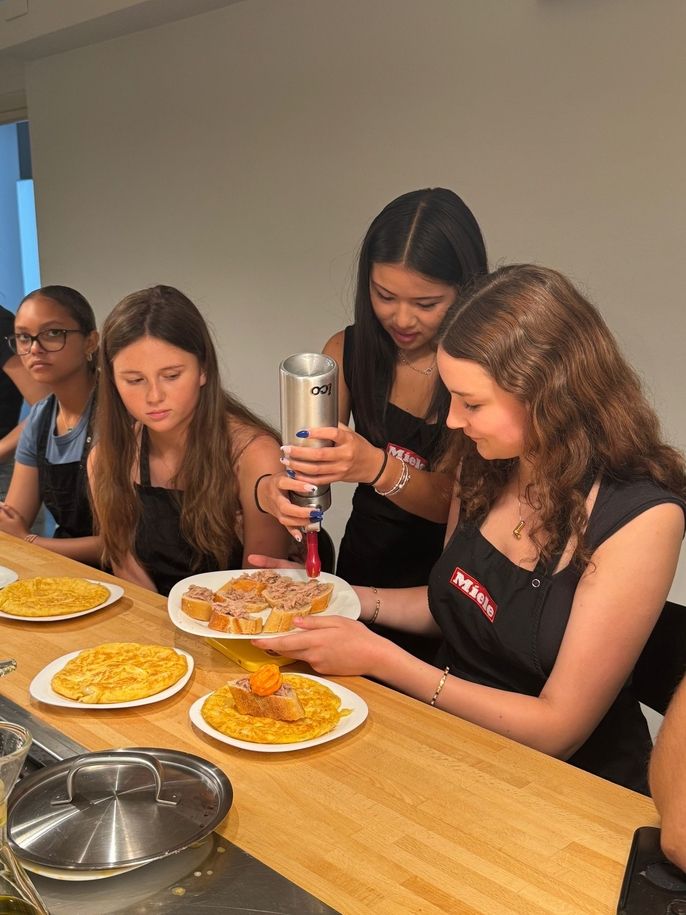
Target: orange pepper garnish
column 266, row 680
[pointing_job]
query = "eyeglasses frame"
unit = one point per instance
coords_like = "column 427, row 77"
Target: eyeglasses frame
column 35, row 338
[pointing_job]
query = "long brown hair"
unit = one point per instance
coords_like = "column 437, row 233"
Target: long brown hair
column 541, row 340
column 210, row 506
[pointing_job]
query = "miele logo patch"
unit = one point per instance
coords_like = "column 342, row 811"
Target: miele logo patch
column 410, row 457
column 474, row 591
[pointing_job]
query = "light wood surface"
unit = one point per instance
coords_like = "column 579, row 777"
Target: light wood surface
column 415, row 812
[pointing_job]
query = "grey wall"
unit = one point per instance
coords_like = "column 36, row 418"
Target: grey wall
column 240, row 155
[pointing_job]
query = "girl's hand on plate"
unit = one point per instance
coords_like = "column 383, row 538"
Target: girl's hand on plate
column 330, row 645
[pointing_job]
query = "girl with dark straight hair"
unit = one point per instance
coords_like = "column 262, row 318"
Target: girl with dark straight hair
column 55, row 337
column 416, row 255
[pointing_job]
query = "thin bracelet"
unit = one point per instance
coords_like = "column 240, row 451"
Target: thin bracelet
column 401, row 483
column 383, row 467
column 441, row 684
column 30, row 538
column 257, row 501
column 377, row 607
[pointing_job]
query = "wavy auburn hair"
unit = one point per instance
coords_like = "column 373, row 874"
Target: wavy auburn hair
column 210, row 506
column 541, row 340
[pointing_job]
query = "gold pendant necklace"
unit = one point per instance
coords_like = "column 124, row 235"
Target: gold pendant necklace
column 519, row 526
column 403, row 358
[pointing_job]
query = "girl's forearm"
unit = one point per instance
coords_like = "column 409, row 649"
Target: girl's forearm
column 530, row 720
column 401, row 608
column 83, row 549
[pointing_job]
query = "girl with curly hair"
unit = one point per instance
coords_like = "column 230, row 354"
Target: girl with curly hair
column 563, row 537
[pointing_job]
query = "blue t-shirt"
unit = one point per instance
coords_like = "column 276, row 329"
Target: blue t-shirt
column 60, row 449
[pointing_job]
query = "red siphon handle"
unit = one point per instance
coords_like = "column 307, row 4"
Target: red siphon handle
column 313, row 565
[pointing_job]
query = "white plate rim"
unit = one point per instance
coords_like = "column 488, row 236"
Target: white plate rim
column 351, row 722
column 343, row 593
column 11, row 576
column 116, row 591
column 76, row 876
column 43, row 692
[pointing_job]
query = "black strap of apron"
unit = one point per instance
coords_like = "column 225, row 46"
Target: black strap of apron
column 144, row 458
column 44, row 429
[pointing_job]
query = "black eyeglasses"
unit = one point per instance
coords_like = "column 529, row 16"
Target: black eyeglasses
column 51, row 340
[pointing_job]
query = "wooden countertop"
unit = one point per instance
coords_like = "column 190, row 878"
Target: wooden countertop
column 415, row 812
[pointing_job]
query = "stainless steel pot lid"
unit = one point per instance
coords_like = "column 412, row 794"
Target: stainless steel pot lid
column 116, row 808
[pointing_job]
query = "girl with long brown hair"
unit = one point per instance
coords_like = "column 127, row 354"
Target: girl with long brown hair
column 563, row 537
column 177, row 458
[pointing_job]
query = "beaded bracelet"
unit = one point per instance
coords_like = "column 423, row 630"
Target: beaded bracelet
column 257, row 501
column 383, row 467
column 377, row 607
column 401, row 483
column 441, row 684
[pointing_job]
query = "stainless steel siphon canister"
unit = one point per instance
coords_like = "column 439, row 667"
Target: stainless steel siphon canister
column 308, row 384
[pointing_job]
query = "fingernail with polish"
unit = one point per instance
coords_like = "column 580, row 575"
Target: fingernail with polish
column 284, row 460
column 291, row 474
column 298, row 537
column 308, row 488
column 286, row 449
column 303, row 433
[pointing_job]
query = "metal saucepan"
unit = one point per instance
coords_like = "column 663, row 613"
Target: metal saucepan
column 117, row 808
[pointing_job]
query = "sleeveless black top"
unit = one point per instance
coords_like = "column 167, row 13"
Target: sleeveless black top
column 503, row 625
column 384, row 545
column 160, row 547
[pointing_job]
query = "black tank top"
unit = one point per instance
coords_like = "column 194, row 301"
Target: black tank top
column 503, row 625
column 160, row 547
column 383, row 545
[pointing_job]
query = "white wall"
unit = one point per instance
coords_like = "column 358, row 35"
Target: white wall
column 240, row 155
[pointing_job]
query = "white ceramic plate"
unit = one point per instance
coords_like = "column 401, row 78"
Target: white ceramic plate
column 344, row 601
column 41, row 689
column 7, row 576
column 348, row 698
column 115, row 593
column 59, row 873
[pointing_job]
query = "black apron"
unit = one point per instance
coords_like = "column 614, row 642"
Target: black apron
column 490, row 612
column 384, row 545
column 160, row 546
column 64, row 487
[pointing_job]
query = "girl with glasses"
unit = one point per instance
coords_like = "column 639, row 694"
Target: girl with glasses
column 56, row 338
column 177, row 458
